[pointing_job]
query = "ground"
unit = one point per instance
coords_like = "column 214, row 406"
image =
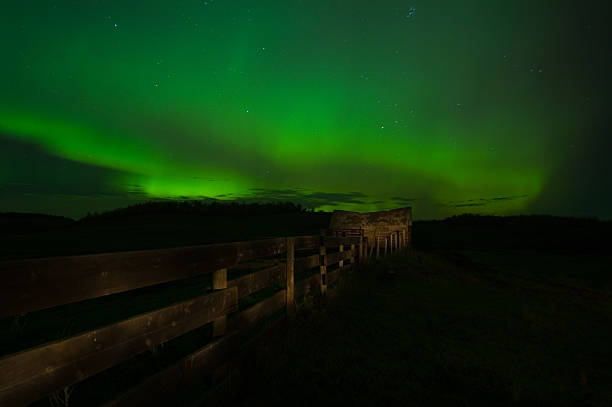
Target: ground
column 483, row 311
column 443, row 331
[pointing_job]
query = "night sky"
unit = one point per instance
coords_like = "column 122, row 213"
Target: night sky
column 490, row 107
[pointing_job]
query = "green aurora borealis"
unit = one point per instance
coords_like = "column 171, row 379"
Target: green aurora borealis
column 493, row 107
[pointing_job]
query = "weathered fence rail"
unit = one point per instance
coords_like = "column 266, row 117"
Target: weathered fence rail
column 31, row 285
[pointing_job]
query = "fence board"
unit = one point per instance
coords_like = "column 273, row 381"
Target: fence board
column 305, row 263
column 334, row 241
column 189, row 371
column 333, row 258
column 258, row 280
column 290, row 277
column 256, row 264
column 29, row 285
column 307, row 242
column 251, row 316
column 30, row 375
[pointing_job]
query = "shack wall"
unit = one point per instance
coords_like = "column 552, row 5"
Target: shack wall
column 375, row 223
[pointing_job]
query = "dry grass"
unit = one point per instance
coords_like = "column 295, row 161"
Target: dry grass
column 437, row 334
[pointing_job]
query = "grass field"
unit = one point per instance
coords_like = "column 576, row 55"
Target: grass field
column 582, row 271
column 439, row 333
column 485, row 311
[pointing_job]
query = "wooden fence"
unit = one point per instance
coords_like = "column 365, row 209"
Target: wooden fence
column 31, row 285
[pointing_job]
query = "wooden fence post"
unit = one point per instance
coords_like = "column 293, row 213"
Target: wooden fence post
column 386, row 244
column 377, row 247
column 352, row 258
column 219, row 282
column 290, row 267
column 360, row 258
column 323, row 266
column 341, row 262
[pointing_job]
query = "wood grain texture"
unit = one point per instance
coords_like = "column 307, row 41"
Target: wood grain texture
column 251, row 316
column 219, row 279
column 160, row 389
column 323, row 268
column 306, row 263
column 219, row 282
column 306, row 242
column 335, row 241
column 290, row 282
column 32, row 374
column 42, row 283
column 29, row 285
column 333, row 258
column 258, row 280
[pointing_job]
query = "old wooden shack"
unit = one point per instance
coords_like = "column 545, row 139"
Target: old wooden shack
column 376, row 225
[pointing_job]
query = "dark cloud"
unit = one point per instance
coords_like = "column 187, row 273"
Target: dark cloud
column 508, row 198
column 307, row 198
column 402, row 199
column 26, row 168
column 470, row 204
column 484, row 201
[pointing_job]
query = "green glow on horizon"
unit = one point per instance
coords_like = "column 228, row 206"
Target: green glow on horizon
column 218, row 100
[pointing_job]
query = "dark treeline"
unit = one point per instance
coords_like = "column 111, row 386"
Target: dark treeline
column 542, row 220
column 537, row 232
column 213, row 208
column 15, row 222
column 161, row 224
column 154, row 225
